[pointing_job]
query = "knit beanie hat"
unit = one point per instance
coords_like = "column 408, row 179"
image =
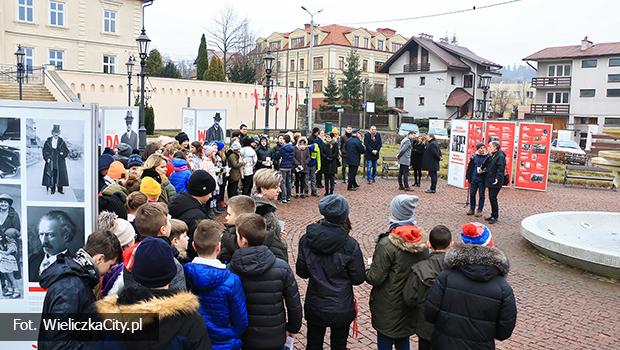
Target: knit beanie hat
column 109, row 151
column 402, row 207
column 165, row 140
column 479, row 145
column 113, row 203
column 121, row 228
column 209, row 150
column 134, row 160
column 152, row 173
column 477, row 234
column 116, row 170
column 220, row 145
column 334, row 208
column 150, row 188
column 153, row 265
column 181, row 137
column 235, row 146
column 104, row 161
column 124, row 149
column 200, row 183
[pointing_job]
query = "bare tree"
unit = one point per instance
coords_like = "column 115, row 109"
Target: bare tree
column 227, row 32
column 501, row 99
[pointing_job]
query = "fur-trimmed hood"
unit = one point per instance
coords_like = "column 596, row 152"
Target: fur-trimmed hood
column 466, row 257
column 397, row 238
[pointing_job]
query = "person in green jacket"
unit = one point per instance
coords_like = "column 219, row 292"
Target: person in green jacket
column 396, row 252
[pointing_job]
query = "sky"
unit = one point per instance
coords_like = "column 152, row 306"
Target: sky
column 503, row 34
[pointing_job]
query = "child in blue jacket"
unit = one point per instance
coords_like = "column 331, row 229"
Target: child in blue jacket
column 181, row 174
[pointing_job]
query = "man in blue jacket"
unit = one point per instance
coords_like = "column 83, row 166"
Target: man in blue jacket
column 286, row 154
column 372, row 143
column 355, row 149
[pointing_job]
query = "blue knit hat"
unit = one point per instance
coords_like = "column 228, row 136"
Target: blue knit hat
column 134, row 160
column 220, row 145
column 477, row 234
column 104, row 161
column 154, row 265
column 334, row 208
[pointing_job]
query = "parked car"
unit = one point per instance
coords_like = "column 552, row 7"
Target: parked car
column 405, row 128
column 568, row 152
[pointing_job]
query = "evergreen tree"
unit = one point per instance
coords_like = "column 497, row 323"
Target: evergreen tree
column 331, row 92
column 154, row 63
column 243, row 72
column 170, row 71
column 352, row 82
column 215, row 72
column 149, row 119
column 202, row 61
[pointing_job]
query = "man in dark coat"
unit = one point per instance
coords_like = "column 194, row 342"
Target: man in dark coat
column 471, row 304
column 329, row 162
column 354, row 150
column 55, row 151
column 372, row 143
column 348, row 133
column 475, row 177
column 430, row 161
column 495, row 169
column 215, row 132
column 70, row 282
column 130, row 137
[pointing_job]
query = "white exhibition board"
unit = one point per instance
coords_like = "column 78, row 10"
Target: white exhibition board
column 119, row 125
column 457, row 161
column 204, row 125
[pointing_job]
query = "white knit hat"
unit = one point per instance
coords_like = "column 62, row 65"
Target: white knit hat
column 121, row 228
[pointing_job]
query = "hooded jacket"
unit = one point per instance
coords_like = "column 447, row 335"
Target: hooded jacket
column 189, row 210
column 262, row 153
column 333, row 262
column 180, row 325
column 302, row 157
column 287, row 156
column 222, row 303
column 269, row 284
column 180, row 177
column 391, row 262
column 471, row 303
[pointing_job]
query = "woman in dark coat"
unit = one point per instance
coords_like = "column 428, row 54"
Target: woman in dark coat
column 263, row 152
column 55, row 151
column 329, row 162
column 417, row 153
column 333, row 262
column 430, row 161
column 495, row 169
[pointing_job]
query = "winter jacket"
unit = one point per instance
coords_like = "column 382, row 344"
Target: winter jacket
column 495, row 169
column 167, row 190
column 235, row 166
column 275, row 152
column 315, row 155
column 180, row 177
column 69, row 282
column 189, row 210
column 180, row 325
column 302, row 157
column 196, row 162
column 372, row 145
column 222, row 302
column 269, row 284
column 419, row 282
column 404, row 152
column 355, row 149
column 343, row 142
column 391, row 262
column 262, row 153
column 329, row 160
column 228, row 243
column 474, row 162
column 333, row 262
column 287, row 156
column 248, row 154
column 417, row 153
column 432, row 156
column 471, row 303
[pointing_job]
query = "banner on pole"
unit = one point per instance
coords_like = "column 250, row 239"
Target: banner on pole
column 504, row 133
column 204, row 125
column 119, row 125
column 533, row 156
column 475, row 133
column 457, row 161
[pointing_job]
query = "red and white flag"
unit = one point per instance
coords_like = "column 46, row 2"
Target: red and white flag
column 277, row 105
column 288, row 101
column 255, row 97
column 296, row 102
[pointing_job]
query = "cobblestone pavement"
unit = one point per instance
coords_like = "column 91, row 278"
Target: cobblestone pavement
column 559, row 307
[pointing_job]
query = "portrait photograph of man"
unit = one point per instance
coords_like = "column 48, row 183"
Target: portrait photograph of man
column 130, row 137
column 215, row 132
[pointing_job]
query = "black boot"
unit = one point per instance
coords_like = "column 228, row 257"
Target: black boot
column 60, row 190
column 53, row 190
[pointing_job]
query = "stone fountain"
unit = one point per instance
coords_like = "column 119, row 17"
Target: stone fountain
column 610, row 159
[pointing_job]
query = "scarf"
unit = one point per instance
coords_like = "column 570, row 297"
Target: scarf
column 394, row 223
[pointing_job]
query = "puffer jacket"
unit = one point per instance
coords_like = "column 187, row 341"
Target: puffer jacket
column 287, row 156
column 262, row 153
column 222, row 302
column 302, row 158
column 180, row 177
column 471, row 303
column 269, row 284
column 333, row 262
column 392, row 260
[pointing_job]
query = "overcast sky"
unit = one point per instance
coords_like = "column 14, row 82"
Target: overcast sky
column 504, row 34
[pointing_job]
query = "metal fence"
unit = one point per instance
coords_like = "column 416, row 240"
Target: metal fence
column 32, row 75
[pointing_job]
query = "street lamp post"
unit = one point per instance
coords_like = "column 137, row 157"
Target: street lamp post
column 129, row 64
column 485, row 84
column 20, row 55
column 310, row 65
column 143, row 47
column 268, row 62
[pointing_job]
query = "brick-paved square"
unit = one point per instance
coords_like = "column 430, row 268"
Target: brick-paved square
column 558, row 306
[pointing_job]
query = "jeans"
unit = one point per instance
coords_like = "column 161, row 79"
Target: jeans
column 316, row 334
column 403, row 176
column 329, row 183
column 248, row 182
column 371, row 169
column 311, row 178
column 424, row 344
column 386, row 343
column 345, row 165
column 233, row 188
column 285, row 185
column 301, row 186
column 417, row 176
column 476, row 186
column 433, row 175
column 493, row 192
column 352, row 172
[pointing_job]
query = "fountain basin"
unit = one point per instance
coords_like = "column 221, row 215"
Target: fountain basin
column 584, row 239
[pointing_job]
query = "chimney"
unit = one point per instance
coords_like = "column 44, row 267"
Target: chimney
column 585, row 44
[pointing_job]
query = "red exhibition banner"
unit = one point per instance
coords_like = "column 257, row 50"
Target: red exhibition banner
column 475, row 132
column 504, row 133
column 533, row 156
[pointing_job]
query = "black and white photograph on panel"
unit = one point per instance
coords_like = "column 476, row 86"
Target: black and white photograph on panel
column 10, row 139
column 52, row 231
column 55, row 160
column 11, row 246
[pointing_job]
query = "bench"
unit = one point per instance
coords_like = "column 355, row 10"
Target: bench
column 388, row 164
column 592, row 169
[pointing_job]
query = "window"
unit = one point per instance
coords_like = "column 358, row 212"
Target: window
column 421, row 103
column 587, row 92
column 613, row 92
column 28, row 59
column 292, row 65
column 297, row 42
column 468, row 81
column 590, row 63
column 301, row 84
column 614, row 121
column 341, row 62
column 366, row 43
column 274, row 45
column 559, row 70
column 613, row 78
column 452, row 81
column 291, row 84
column 614, row 62
column 317, row 86
column 380, row 45
column 316, row 39
column 364, row 65
column 378, row 65
column 396, row 47
column 378, row 88
column 57, row 13
column 557, row 97
column 301, row 64
column 56, row 58
column 109, row 21
column 356, row 41
column 399, row 102
column 422, row 81
column 400, row 82
column 25, row 10
column 109, row 64
column 529, row 94
column 317, row 63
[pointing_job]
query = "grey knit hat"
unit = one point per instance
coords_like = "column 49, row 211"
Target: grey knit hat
column 402, row 207
column 334, row 208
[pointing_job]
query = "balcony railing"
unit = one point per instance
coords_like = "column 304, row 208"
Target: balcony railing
column 32, row 75
column 549, row 109
column 417, row 67
column 541, row 82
